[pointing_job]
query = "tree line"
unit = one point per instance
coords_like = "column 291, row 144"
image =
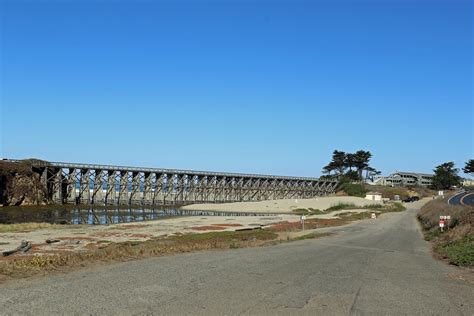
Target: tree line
column 446, row 175
column 350, row 165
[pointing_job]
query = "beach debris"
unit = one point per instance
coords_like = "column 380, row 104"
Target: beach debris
column 52, row 241
column 24, row 247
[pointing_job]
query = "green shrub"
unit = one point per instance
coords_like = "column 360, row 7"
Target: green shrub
column 315, row 211
column 397, row 207
column 371, row 206
column 313, row 236
column 341, row 206
column 300, row 211
column 460, row 252
column 354, row 189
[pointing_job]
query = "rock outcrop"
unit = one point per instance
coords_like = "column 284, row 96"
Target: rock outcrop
column 20, row 185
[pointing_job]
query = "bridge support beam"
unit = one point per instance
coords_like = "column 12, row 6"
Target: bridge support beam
column 111, row 185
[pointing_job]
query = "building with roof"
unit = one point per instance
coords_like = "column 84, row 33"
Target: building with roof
column 403, row 179
column 373, row 196
column 467, row 182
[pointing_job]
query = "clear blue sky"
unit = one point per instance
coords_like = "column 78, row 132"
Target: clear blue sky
column 245, row 86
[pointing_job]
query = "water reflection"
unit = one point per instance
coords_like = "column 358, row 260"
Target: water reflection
column 91, row 216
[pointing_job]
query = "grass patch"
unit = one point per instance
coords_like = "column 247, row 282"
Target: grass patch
column 300, row 211
column 126, row 251
column 433, row 234
column 354, row 189
column 373, row 206
column 244, row 235
column 313, row 236
column 9, row 228
column 456, row 243
column 312, row 223
column 460, row 252
column 353, row 216
column 397, row 207
column 308, row 211
column 315, row 211
column 341, row 206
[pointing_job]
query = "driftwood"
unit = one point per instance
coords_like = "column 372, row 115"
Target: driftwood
column 24, row 247
column 51, row 241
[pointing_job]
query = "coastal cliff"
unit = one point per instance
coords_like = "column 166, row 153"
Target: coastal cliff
column 20, row 185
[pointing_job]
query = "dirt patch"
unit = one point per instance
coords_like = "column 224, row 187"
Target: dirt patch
column 466, row 277
column 75, row 238
column 93, row 246
column 204, row 228
column 139, row 235
column 228, row 225
column 309, row 224
column 133, row 226
column 108, row 234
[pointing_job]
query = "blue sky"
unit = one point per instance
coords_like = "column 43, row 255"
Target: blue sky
column 244, row 86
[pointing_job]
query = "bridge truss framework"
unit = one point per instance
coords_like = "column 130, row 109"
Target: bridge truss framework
column 112, row 185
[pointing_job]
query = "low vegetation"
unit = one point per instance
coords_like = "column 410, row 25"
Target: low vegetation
column 395, row 207
column 402, row 192
column 126, row 251
column 354, row 189
column 307, row 211
column 349, row 206
column 312, row 236
column 244, row 235
column 459, row 252
column 341, row 206
column 353, row 216
column 9, row 228
column 106, row 251
column 456, row 242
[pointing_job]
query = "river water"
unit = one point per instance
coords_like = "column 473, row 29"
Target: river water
column 97, row 216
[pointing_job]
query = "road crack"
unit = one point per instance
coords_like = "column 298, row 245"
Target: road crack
column 352, row 309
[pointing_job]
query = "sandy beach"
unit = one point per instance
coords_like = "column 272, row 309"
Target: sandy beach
column 281, row 206
column 84, row 237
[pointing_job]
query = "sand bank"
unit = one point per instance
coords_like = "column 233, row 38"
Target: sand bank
column 281, row 206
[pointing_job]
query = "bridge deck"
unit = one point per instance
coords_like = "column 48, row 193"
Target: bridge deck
column 108, row 184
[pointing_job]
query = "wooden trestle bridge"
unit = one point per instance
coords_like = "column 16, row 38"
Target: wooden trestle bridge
column 111, row 185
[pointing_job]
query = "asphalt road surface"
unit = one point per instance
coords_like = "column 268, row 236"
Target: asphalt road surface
column 464, row 198
column 374, row 267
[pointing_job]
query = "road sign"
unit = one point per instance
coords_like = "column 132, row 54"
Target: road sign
column 302, row 221
column 441, row 223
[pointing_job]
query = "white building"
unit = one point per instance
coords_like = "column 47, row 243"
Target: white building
column 467, row 182
column 373, row 196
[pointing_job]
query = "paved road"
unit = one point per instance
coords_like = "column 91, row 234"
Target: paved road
column 463, row 198
column 379, row 267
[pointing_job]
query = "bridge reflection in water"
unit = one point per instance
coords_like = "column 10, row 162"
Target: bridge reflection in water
column 93, row 216
column 103, row 217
